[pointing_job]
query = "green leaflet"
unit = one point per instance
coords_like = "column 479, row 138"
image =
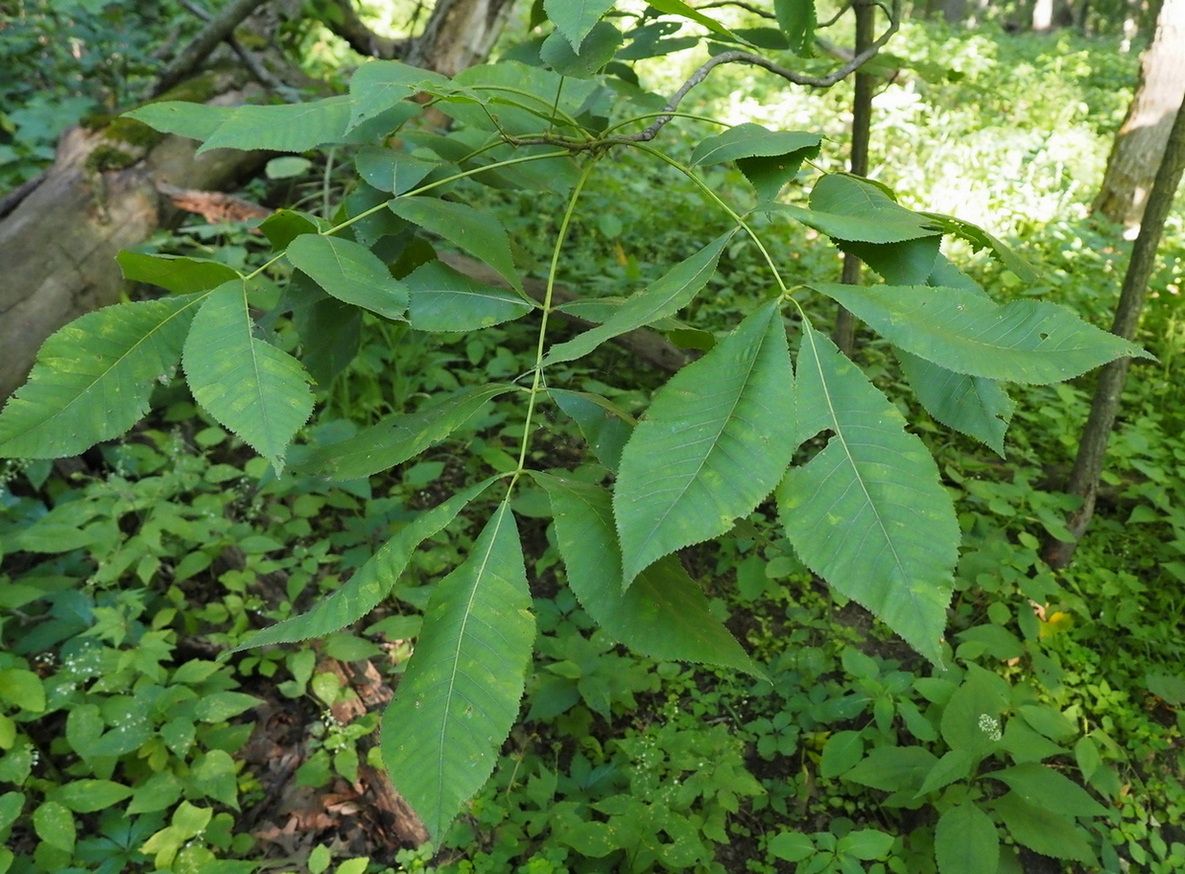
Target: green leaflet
column 397, row 438
column 379, row 85
column 603, row 424
column 974, row 405
column 482, row 236
column 868, row 513
column 849, row 209
column 769, row 159
column 94, row 376
column 664, row 614
column 664, row 297
column 514, row 98
column 678, row 7
column 596, row 50
column 966, row 841
column 1023, row 341
column 372, row 582
column 444, row 299
column 575, row 18
column 1040, row 829
column 713, row 444
column 391, row 170
column 797, row 19
column 289, row 127
column 460, row 695
column 351, row 273
column 175, row 273
column 981, row 239
column 252, row 388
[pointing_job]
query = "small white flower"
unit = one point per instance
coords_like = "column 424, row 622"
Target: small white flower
column 990, row 726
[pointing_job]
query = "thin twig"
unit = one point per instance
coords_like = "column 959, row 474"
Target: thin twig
column 217, row 29
column 253, row 64
column 738, row 57
column 748, row 7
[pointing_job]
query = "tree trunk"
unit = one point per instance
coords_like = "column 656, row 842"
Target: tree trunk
column 1084, row 478
column 1140, row 143
column 844, row 335
column 459, row 34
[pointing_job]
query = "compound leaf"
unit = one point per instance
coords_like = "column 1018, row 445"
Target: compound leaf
column 94, row 376
column 460, row 695
column 254, row 389
column 868, row 513
column 713, row 444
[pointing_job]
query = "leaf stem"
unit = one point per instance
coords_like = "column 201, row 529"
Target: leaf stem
column 537, row 380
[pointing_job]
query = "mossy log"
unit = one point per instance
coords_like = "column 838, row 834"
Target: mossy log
column 101, row 195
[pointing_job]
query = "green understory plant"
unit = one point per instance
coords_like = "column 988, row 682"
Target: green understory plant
column 857, row 496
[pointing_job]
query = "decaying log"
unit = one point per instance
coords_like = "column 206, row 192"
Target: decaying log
column 58, row 245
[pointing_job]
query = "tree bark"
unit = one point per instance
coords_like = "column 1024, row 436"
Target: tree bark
column 844, row 335
column 1141, row 140
column 1084, row 478
column 459, row 34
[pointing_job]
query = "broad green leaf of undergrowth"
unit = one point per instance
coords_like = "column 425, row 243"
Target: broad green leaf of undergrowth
column 1041, row 785
column 966, row 841
column 714, row 443
column 664, row 614
column 444, row 299
column 868, row 513
column 378, row 85
column 351, row 273
column 397, row 438
column 1024, row 341
column 515, row 98
column 1043, row 830
column 664, row 297
column 259, row 392
column 289, row 127
column 769, row 159
column 460, row 695
column 479, row 234
column 372, row 582
column 575, row 18
column 174, row 273
column 93, row 377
